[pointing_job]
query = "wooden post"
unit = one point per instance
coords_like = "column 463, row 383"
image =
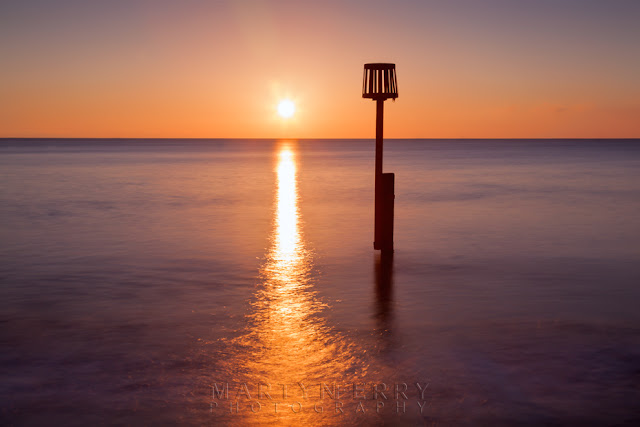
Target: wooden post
column 384, row 189
column 388, row 199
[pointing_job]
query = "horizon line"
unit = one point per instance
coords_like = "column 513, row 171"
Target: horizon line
column 309, row 139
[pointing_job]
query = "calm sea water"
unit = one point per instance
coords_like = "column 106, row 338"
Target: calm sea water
column 165, row 282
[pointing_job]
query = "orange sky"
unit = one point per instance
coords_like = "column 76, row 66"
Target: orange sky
column 466, row 69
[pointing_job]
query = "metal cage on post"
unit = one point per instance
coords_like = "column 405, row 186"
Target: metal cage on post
column 379, row 81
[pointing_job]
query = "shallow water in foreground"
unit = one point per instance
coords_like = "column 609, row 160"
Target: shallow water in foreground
column 139, row 276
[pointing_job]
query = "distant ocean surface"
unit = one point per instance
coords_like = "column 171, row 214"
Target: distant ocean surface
column 191, row 282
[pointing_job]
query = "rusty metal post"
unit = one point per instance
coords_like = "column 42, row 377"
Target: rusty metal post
column 379, row 195
column 379, row 83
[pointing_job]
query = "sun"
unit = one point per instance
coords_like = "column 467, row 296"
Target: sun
column 286, row 108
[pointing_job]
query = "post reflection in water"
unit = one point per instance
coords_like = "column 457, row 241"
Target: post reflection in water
column 383, row 270
column 287, row 340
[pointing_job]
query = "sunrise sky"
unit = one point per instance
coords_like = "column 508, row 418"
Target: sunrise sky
column 218, row 69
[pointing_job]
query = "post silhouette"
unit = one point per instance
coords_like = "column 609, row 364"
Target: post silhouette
column 379, row 83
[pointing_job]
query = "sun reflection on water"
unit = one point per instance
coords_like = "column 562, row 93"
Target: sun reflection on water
column 287, row 236
column 287, row 340
column 288, row 332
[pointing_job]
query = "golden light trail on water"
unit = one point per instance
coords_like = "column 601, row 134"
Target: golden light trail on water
column 287, row 340
column 287, row 235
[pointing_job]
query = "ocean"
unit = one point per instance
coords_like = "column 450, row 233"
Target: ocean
column 234, row 282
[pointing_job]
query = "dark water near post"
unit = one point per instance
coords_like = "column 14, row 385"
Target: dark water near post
column 137, row 274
